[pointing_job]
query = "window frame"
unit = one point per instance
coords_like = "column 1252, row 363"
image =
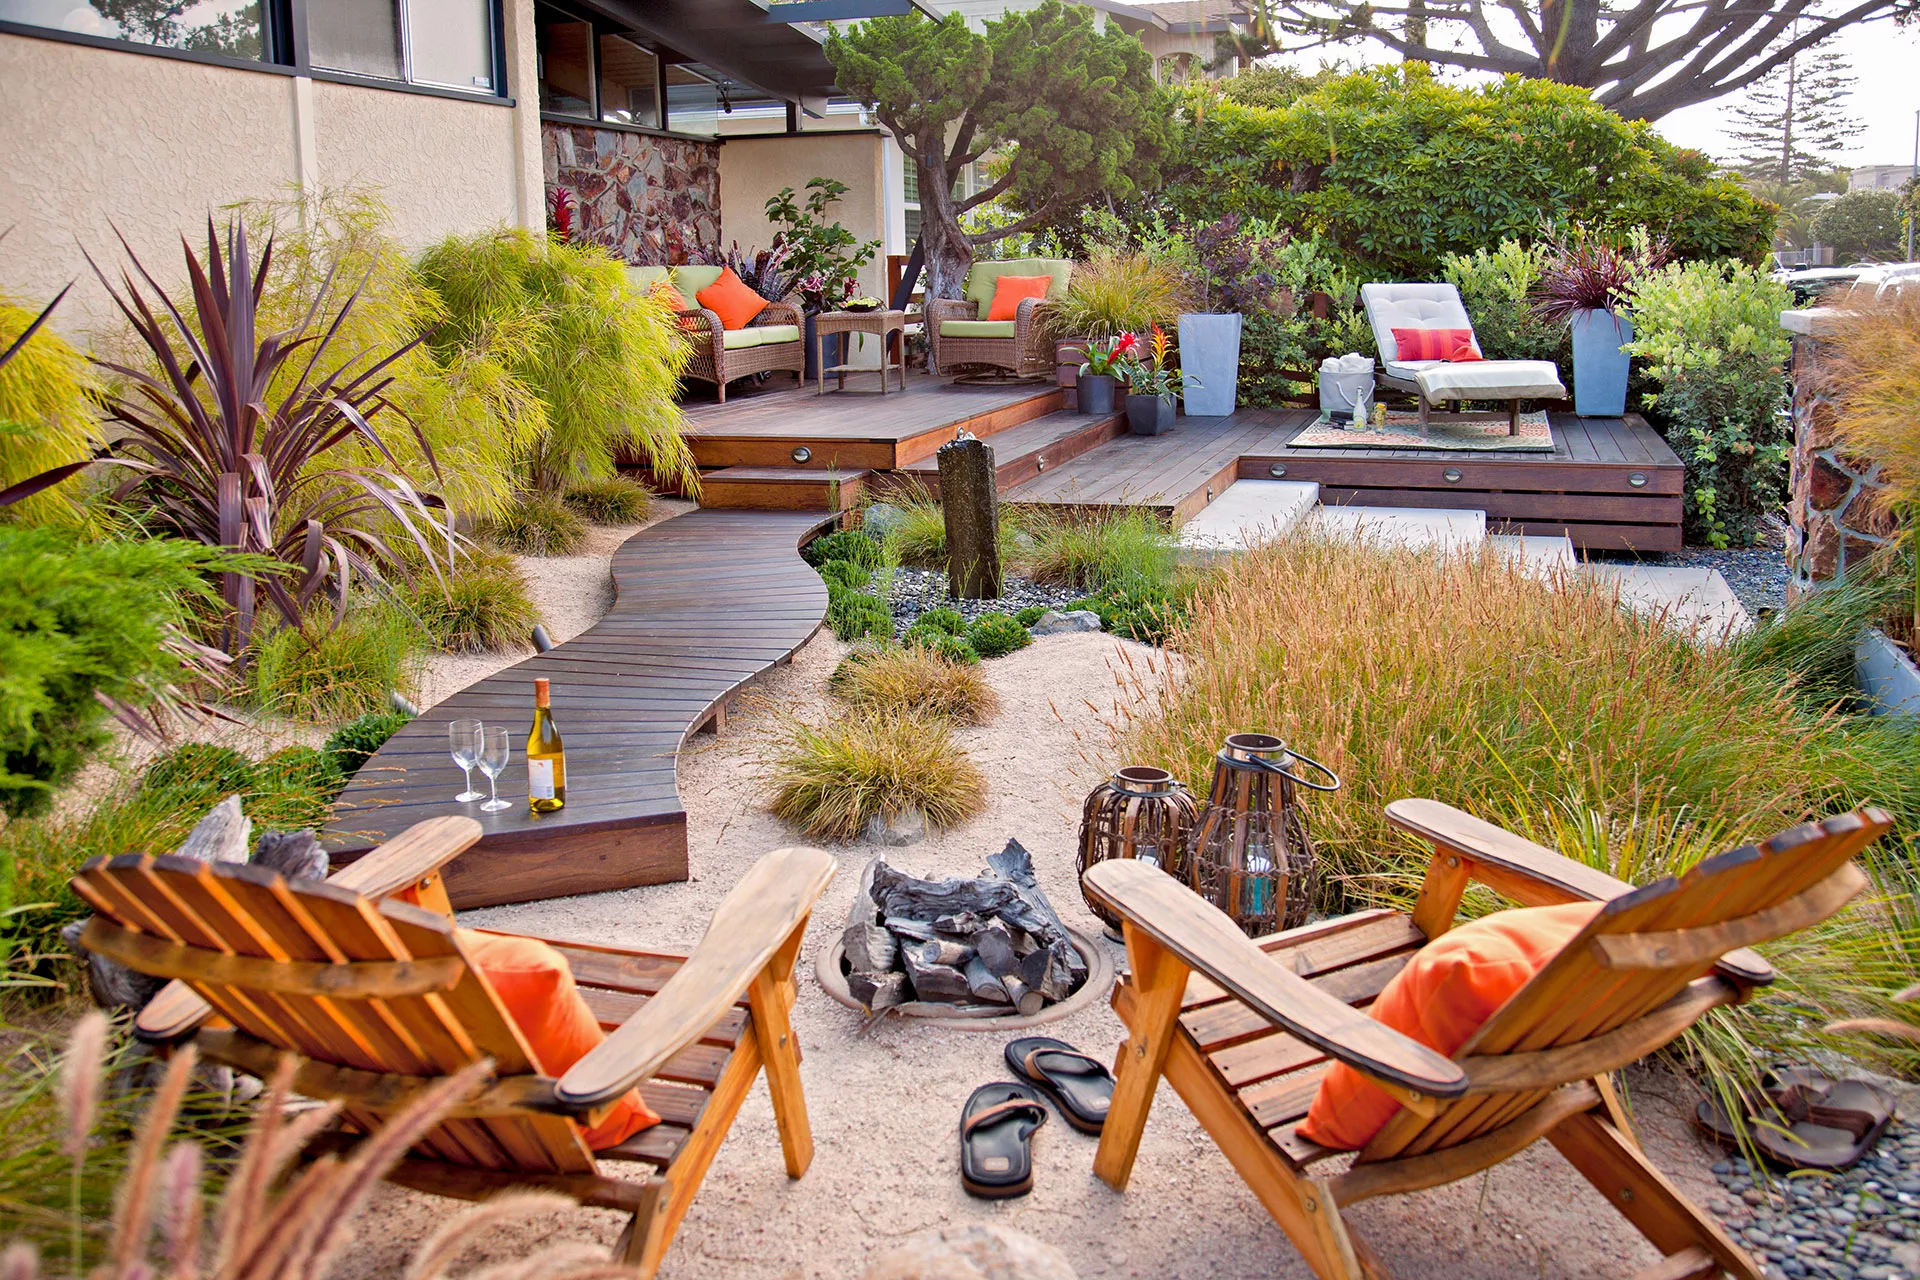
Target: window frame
column 284, row 53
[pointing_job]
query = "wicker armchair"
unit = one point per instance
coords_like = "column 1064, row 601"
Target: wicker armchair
column 753, row 349
column 960, row 334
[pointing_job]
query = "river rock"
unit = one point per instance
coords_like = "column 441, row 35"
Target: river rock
column 909, row 826
column 1053, row 622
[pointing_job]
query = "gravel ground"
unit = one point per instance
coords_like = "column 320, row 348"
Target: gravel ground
column 1758, row 575
column 1862, row 1224
column 917, row 591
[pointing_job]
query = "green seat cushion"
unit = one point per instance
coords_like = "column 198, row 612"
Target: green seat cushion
column 981, row 275
column 976, row 328
column 692, row 278
column 644, row 278
column 759, row 335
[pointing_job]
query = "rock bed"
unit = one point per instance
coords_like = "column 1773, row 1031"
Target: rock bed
column 918, row 591
column 1863, row 1224
column 1758, row 575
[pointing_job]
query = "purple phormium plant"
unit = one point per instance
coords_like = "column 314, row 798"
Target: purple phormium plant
column 765, row 272
column 1586, row 274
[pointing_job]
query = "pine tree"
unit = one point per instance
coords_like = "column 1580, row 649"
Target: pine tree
column 1793, row 124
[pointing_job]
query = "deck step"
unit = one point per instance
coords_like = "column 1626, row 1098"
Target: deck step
column 782, row 489
column 1414, row 528
column 1023, row 451
column 1251, row 513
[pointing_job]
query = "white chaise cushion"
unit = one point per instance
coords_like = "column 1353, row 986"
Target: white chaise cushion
column 1410, row 306
column 1486, row 380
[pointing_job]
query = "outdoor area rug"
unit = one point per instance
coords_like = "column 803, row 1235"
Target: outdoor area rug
column 1402, row 431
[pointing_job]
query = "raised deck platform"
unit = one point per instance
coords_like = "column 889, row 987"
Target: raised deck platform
column 704, row 602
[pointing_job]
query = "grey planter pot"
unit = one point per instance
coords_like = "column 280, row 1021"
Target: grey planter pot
column 1096, row 392
column 835, row 347
column 1886, row 675
column 1599, row 365
column 1149, row 415
column 1210, row 361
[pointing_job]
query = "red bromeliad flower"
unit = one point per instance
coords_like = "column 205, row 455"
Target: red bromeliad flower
column 1160, row 345
column 1125, row 344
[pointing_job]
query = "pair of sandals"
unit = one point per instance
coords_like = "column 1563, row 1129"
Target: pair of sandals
column 999, row 1120
column 1804, row 1119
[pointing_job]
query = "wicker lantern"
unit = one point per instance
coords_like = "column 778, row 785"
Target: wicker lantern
column 1140, row 813
column 1250, row 854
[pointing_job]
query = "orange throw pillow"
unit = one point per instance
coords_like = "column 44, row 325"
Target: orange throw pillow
column 673, row 300
column 1455, row 345
column 1010, row 291
column 1445, row 994
column 533, row 981
column 731, row 300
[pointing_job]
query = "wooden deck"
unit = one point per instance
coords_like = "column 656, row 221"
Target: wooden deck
column 704, row 602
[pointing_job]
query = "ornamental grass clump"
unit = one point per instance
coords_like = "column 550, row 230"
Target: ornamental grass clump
column 1115, row 292
column 483, row 607
column 1092, row 553
column 913, row 681
column 846, row 544
column 322, row 674
column 831, row 780
column 538, row 524
column 615, row 500
column 1547, row 709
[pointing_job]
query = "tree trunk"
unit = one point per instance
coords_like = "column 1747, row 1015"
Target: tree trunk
column 947, row 250
column 971, row 505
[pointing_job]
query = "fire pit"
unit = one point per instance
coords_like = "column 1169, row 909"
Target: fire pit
column 987, row 954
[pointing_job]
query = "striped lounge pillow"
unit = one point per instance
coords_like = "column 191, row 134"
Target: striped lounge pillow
column 1454, row 345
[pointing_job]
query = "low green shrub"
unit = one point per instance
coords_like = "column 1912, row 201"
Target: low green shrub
column 913, row 681
column 854, row 614
column 955, row 649
column 946, row 621
column 482, row 607
column 1093, row 553
column 353, row 742
column 1710, row 335
column 1147, row 612
column 538, row 524
column 80, row 619
column 293, row 789
column 995, row 635
column 615, row 500
column 831, row 780
column 845, row 573
column 197, row 773
column 323, row 673
column 1497, row 289
column 846, row 544
column 1030, row 615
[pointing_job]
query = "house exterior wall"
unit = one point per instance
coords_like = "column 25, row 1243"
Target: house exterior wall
column 650, row 199
column 752, row 169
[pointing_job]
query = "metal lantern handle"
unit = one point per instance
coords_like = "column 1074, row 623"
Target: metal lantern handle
column 1271, row 767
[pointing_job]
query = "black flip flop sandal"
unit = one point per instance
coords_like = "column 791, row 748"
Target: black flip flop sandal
column 1081, row 1087
column 996, row 1129
column 1807, row 1120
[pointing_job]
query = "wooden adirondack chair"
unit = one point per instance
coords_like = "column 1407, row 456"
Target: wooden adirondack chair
column 375, row 998
column 1244, row 1030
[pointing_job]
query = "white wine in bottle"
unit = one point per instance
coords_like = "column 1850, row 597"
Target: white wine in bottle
column 546, row 757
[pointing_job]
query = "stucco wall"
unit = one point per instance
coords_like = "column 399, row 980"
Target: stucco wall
column 751, row 169
column 151, row 144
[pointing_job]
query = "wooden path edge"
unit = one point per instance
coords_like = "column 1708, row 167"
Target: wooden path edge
column 704, row 602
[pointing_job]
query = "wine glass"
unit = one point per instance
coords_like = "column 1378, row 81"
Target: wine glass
column 463, row 736
column 495, row 754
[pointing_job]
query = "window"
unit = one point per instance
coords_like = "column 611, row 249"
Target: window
column 629, row 82
column 693, row 101
column 230, row 28
column 445, row 43
column 566, row 62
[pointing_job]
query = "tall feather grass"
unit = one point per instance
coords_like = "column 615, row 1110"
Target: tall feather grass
column 1092, row 553
column 1545, row 708
column 49, row 413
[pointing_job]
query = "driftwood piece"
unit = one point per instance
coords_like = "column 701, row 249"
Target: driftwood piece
column 879, row 991
column 970, row 501
column 1024, row 998
column 964, row 922
column 1046, row 971
column 938, row 982
column 984, row 984
column 905, row 899
column 941, row 951
column 1014, row 865
column 296, row 855
column 868, row 947
column 221, row 836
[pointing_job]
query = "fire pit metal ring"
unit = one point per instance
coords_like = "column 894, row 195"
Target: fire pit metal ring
column 826, row 968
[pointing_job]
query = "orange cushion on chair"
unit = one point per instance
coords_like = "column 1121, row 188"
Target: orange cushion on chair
column 731, row 300
column 535, row 984
column 673, row 300
column 1454, row 345
column 1445, row 994
column 1010, row 291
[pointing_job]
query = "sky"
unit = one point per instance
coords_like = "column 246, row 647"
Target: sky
column 1886, row 60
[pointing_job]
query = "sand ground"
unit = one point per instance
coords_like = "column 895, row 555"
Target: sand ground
column 884, row 1105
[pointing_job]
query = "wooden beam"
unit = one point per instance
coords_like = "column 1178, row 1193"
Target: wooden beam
column 355, row 980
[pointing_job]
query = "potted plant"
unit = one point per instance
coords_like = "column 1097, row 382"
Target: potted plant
column 1232, row 265
column 1112, row 293
column 1587, row 285
column 1101, row 372
column 1152, row 385
column 824, row 257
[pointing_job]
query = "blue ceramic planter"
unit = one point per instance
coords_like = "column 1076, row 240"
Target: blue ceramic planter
column 1599, row 365
column 1210, row 359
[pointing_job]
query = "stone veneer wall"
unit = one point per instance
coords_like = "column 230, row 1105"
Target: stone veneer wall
column 1834, row 521
column 651, row 200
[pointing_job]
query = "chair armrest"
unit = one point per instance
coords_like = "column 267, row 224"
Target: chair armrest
column 709, row 326
column 752, row 922
column 1208, row 942
column 414, row 855
column 939, row 309
column 1027, row 332
column 779, row 313
column 1531, row 874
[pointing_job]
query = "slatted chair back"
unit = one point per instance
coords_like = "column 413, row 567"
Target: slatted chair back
column 1643, row 950
column 326, row 973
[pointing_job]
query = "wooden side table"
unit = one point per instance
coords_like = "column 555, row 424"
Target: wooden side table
column 883, row 322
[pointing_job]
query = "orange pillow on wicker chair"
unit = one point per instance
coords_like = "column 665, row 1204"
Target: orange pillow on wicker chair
column 731, row 300
column 1010, row 291
column 1455, row 345
column 1445, row 994
column 673, row 300
column 534, row 983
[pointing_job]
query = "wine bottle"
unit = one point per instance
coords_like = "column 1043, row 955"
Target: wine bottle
column 546, row 757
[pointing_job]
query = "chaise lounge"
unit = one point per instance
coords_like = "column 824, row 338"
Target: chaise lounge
column 1438, row 306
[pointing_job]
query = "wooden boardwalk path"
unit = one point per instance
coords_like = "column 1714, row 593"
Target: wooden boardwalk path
column 703, row 603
